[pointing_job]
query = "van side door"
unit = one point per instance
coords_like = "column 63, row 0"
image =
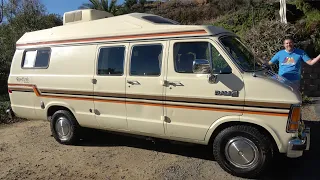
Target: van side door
column 144, row 87
column 193, row 104
column 109, row 86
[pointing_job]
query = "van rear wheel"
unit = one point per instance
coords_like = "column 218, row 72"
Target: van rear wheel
column 64, row 127
column 243, row 151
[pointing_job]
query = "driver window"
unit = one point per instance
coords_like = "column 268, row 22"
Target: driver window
column 219, row 63
column 186, row 52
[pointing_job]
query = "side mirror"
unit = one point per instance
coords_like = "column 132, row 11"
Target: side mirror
column 201, row 66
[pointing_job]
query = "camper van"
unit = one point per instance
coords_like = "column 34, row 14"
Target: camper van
column 147, row 75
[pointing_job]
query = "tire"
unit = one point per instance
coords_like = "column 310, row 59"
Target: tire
column 67, row 135
column 237, row 144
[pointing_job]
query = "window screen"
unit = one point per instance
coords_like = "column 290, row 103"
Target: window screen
column 29, row 59
column 146, row 60
column 111, row 60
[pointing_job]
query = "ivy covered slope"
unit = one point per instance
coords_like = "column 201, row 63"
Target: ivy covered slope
column 256, row 21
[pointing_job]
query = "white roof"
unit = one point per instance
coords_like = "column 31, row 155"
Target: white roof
column 123, row 25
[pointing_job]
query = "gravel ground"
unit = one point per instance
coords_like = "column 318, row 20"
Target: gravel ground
column 311, row 112
column 28, row 151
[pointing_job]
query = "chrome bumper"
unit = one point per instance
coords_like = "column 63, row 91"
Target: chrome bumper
column 297, row 145
column 10, row 113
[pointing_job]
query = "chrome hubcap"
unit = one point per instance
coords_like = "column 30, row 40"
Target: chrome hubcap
column 63, row 128
column 242, row 152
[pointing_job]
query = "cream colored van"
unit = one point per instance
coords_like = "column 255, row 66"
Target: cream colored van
column 147, row 75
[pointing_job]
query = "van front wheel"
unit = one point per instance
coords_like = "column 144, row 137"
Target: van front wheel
column 64, row 127
column 242, row 151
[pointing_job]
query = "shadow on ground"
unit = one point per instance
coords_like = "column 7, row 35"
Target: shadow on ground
column 302, row 168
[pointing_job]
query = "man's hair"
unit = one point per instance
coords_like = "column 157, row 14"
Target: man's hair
column 288, row 38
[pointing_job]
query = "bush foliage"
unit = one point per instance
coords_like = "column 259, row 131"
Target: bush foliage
column 255, row 21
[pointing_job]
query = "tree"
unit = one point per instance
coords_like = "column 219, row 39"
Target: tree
column 129, row 3
column 1, row 11
column 21, row 16
column 102, row 5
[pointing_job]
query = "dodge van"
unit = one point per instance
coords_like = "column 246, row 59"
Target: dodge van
column 147, row 75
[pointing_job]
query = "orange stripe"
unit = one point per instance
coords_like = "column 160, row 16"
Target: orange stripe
column 197, row 32
column 266, row 113
column 153, row 104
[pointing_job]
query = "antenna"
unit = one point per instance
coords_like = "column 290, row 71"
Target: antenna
column 254, row 57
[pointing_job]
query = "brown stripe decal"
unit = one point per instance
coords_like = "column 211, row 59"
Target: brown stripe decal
column 263, row 104
column 174, row 99
column 21, row 89
column 65, row 92
column 36, row 91
column 211, row 101
column 196, row 32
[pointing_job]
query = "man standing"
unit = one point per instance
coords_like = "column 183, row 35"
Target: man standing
column 290, row 60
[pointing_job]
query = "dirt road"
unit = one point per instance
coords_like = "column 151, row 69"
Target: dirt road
column 27, row 151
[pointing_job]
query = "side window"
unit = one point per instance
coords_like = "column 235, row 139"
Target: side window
column 146, row 60
column 36, row 58
column 110, row 61
column 186, row 52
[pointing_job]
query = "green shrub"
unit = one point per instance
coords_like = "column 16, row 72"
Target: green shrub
column 266, row 38
column 242, row 20
column 305, row 99
column 3, row 116
column 4, row 104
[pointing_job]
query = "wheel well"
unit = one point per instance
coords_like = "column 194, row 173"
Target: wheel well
column 228, row 124
column 54, row 109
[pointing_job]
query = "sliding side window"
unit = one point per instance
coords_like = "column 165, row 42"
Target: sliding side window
column 111, row 60
column 146, row 60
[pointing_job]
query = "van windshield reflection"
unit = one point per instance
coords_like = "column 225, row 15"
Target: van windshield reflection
column 240, row 54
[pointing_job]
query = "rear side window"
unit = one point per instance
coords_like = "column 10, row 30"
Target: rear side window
column 110, row 62
column 38, row 58
column 146, row 60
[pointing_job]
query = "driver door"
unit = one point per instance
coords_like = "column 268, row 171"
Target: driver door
column 193, row 104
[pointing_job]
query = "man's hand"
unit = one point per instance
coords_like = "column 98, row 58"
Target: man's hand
column 313, row 61
column 266, row 65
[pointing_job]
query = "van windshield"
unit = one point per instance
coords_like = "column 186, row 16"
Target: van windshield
column 240, row 53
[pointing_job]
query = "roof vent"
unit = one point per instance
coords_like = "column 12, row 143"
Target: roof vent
column 84, row 15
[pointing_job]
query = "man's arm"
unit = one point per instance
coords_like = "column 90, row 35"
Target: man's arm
column 274, row 59
column 313, row 61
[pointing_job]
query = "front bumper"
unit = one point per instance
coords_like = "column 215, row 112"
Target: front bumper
column 297, row 145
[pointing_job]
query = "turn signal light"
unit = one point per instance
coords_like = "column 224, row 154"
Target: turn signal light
column 294, row 119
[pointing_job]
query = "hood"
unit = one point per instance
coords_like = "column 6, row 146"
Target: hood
column 274, row 76
column 267, row 86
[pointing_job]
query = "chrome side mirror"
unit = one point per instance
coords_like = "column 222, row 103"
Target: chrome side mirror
column 201, row 66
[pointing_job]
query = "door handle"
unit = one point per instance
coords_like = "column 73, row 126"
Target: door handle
column 133, row 82
column 175, row 83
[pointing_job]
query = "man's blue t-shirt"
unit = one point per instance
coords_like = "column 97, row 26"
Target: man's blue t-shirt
column 290, row 63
